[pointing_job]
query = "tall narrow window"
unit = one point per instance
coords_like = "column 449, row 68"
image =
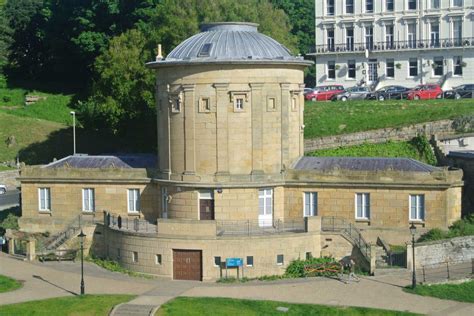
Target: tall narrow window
column 351, row 69
column 458, row 3
column 369, row 37
column 412, row 4
column 88, row 200
column 434, row 34
column 331, row 70
column 389, row 36
column 369, row 6
column 133, row 200
column 350, row 38
column 390, row 71
column 389, row 5
column 362, row 205
column 330, row 7
column 457, row 64
column 239, row 104
column 44, row 199
column 265, row 207
column 310, row 204
column 438, row 67
column 434, row 4
column 349, row 6
column 417, row 207
column 280, row 260
column 330, row 39
column 413, row 67
column 412, row 35
column 457, row 32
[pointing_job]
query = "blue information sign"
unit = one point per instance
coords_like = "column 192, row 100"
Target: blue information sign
column 233, row 262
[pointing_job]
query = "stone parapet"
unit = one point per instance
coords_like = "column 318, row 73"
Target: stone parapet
column 186, row 228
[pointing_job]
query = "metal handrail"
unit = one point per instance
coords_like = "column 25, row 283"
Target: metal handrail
column 394, row 45
column 338, row 224
column 117, row 222
column 260, row 227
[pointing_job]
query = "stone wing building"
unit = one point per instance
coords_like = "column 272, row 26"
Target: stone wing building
column 230, row 179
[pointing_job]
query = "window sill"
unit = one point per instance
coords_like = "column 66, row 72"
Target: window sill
column 44, row 211
column 351, row 79
column 88, row 212
column 137, row 214
column 417, row 222
column 363, row 221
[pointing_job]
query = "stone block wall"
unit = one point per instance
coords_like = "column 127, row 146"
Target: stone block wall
column 119, row 246
column 9, row 178
column 443, row 127
column 459, row 249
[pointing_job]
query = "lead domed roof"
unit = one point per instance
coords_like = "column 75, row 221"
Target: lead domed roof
column 231, row 42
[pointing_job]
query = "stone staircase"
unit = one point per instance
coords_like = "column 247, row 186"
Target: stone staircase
column 381, row 257
column 59, row 239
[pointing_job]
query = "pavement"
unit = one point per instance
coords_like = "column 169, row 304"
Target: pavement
column 53, row 279
column 9, row 199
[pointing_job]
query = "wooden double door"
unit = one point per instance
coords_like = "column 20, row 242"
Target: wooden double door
column 187, row 264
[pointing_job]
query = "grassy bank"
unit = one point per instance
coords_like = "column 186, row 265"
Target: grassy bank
column 457, row 292
column 8, row 284
column 224, row 306
column 76, row 305
column 393, row 149
column 334, row 118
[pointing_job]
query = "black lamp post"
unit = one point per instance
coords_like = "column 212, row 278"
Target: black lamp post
column 81, row 236
column 413, row 231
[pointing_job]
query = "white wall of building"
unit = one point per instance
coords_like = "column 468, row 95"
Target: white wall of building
column 424, row 18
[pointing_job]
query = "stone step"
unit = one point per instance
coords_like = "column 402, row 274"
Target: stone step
column 18, row 257
column 133, row 310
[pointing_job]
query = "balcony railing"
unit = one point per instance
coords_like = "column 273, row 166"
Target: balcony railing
column 136, row 225
column 260, row 227
column 352, row 47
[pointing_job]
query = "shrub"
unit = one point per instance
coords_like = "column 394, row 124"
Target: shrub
column 462, row 227
column 432, row 234
column 296, row 267
column 6, row 98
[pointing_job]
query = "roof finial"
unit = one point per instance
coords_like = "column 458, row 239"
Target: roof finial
column 159, row 56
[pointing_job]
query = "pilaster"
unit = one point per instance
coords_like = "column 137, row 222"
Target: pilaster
column 257, row 127
column 189, row 130
column 285, row 124
column 222, row 133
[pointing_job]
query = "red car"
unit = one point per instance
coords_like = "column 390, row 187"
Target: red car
column 324, row 93
column 425, row 92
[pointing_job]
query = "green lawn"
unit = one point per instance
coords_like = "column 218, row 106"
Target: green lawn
column 77, row 305
column 334, row 118
column 54, row 107
column 224, row 306
column 463, row 292
column 8, row 284
column 388, row 149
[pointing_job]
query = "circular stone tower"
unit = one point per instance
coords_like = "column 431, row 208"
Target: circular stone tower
column 229, row 106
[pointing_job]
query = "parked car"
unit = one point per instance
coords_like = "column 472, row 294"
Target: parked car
column 353, row 93
column 389, row 92
column 3, row 189
column 425, row 92
column 307, row 90
column 324, row 93
column 464, row 91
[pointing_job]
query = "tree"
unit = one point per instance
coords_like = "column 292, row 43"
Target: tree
column 123, row 93
column 5, row 39
column 301, row 15
column 123, row 89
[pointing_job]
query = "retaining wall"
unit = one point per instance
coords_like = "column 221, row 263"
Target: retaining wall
column 443, row 127
column 9, row 178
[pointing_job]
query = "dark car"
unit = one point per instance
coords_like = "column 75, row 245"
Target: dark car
column 465, row 91
column 389, row 92
column 353, row 93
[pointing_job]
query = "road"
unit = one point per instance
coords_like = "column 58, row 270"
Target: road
column 11, row 198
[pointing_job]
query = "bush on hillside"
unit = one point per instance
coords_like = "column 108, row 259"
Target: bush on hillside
column 296, row 267
column 462, row 227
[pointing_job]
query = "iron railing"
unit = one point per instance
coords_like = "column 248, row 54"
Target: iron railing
column 350, row 47
column 445, row 271
column 138, row 225
column 260, row 227
column 340, row 225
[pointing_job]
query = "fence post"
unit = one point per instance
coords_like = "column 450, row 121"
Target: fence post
column 424, row 275
column 359, row 238
column 472, row 266
column 447, row 268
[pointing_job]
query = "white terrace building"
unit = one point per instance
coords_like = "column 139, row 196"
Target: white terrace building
column 386, row 42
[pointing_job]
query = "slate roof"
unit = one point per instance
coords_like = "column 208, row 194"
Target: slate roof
column 106, row 161
column 229, row 41
column 469, row 154
column 362, row 164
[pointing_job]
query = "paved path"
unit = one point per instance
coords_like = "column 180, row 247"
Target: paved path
column 52, row 279
column 9, row 199
column 377, row 292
